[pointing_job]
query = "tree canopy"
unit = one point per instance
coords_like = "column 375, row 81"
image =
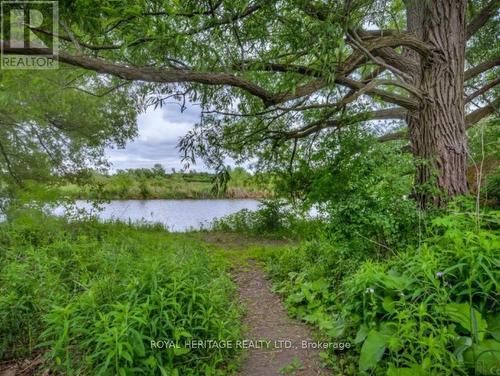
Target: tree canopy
column 282, row 75
column 51, row 125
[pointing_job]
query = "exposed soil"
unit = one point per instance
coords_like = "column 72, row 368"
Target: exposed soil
column 267, row 319
column 22, row 367
column 226, row 240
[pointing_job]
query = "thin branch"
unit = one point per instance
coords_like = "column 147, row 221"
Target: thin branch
column 100, row 95
column 251, row 9
column 168, row 14
column 9, row 165
column 354, row 38
column 385, row 114
column 483, row 67
column 483, row 90
column 407, row 102
column 72, row 37
column 276, row 67
column 481, row 113
column 300, row 91
column 92, row 47
column 482, row 17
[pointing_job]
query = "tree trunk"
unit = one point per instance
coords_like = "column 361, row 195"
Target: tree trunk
column 437, row 130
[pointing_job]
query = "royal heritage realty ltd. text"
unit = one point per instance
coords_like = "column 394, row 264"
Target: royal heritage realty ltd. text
column 248, row 344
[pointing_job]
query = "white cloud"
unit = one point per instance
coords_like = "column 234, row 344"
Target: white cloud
column 157, row 126
column 159, row 132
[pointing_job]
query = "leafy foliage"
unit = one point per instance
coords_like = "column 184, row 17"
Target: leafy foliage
column 363, row 188
column 274, row 218
column 429, row 310
column 48, row 127
column 95, row 296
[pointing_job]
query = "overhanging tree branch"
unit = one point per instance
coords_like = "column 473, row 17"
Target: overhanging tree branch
column 385, row 114
column 483, row 67
column 470, row 120
column 480, row 113
column 483, row 90
column 149, row 74
column 482, row 17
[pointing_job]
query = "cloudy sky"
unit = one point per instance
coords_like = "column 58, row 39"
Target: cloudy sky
column 159, row 133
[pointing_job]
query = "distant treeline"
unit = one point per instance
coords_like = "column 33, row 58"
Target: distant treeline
column 157, row 183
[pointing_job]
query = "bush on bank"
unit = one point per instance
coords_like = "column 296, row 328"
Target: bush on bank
column 431, row 309
column 93, row 296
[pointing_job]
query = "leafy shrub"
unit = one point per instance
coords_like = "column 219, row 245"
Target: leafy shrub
column 309, row 276
column 363, row 188
column 274, row 218
column 95, row 296
column 430, row 310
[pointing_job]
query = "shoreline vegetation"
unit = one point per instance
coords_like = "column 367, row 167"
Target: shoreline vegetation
column 102, row 291
column 157, row 184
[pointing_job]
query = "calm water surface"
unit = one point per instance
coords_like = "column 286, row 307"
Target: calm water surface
column 176, row 215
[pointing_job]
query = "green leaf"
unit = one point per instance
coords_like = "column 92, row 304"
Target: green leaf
column 338, row 328
column 388, row 304
column 138, row 343
column 126, row 356
column 178, row 351
column 393, row 281
column 484, row 357
column 468, row 318
column 462, row 344
column 362, row 333
column 372, row 350
column 494, row 326
column 415, row 370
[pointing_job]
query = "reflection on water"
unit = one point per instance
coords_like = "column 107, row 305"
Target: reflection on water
column 176, row 215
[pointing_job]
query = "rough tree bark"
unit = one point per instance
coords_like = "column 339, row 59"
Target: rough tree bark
column 437, row 129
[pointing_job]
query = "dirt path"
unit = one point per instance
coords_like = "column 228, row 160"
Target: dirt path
column 266, row 319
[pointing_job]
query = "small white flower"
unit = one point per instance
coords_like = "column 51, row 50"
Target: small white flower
column 369, row 290
column 439, row 274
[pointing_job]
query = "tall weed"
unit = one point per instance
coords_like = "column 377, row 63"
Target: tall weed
column 93, row 297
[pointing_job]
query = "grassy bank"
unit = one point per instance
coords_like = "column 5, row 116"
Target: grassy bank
column 91, row 297
column 157, row 184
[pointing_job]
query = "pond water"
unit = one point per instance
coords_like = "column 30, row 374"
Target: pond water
column 176, row 215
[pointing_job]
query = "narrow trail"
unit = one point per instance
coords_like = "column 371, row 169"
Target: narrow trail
column 267, row 319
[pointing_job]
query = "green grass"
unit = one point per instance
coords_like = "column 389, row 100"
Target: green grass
column 92, row 296
column 151, row 184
